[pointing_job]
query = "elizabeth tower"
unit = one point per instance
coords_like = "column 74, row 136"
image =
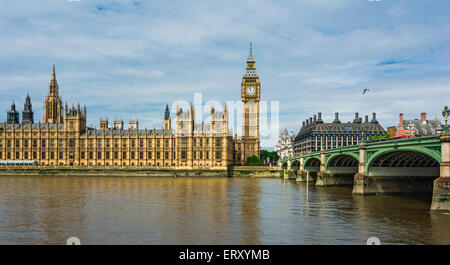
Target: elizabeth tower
column 250, row 96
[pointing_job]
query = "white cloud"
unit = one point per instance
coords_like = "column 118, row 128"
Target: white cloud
column 311, row 55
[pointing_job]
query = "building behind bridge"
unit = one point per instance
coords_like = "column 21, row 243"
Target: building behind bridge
column 316, row 135
column 285, row 145
column 418, row 127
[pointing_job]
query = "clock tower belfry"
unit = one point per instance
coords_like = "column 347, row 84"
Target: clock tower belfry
column 250, row 96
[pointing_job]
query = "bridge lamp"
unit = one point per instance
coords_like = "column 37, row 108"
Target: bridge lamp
column 445, row 113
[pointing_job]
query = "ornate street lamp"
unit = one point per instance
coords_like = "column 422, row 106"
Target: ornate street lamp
column 445, row 113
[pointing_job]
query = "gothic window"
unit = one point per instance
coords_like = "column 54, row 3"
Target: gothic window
column 124, row 155
column 149, row 155
column 183, row 154
column 17, row 143
column 158, row 155
column 43, row 143
column 218, row 142
column 166, row 143
column 166, row 155
column 218, row 155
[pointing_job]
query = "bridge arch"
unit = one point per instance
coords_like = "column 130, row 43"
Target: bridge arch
column 295, row 165
column 404, row 170
column 426, row 153
column 342, row 163
column 312, row 164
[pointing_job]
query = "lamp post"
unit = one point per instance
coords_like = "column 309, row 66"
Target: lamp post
column 445, row 113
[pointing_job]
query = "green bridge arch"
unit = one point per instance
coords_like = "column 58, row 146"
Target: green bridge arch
column 333, row 156
column 418, row 149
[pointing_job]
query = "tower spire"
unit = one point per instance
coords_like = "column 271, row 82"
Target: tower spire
column 53, row 73
column 250, row 54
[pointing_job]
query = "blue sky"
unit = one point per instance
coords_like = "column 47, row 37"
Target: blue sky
column 129, row 58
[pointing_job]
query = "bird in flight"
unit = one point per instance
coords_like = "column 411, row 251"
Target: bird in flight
column 365, row 90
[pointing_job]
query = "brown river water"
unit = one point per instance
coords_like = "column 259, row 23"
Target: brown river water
column 102, row 210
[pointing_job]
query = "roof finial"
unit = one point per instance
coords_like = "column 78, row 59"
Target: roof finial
column 250, row 55
column 53, row 73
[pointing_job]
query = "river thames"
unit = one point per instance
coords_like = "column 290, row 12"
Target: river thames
column 102, row 210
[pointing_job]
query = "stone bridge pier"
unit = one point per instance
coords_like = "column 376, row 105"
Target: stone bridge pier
column 441, row 186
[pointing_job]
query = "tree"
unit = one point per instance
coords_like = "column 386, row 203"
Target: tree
column 272, row 156
column 386, row 135
column 253, row 161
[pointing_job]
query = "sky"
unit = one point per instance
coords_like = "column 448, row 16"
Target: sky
column 128, row 59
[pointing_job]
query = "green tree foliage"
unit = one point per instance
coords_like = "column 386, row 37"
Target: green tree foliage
column 253, row 161
column 272, row 156
column 386, row 135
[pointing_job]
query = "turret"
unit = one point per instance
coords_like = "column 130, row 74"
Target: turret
column 167, row 121
column 336, row 118
column 13, row 115
column 27, row 113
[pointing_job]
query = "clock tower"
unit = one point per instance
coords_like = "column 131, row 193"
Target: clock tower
column 250, row 96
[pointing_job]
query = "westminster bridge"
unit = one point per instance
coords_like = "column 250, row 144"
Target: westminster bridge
column 411, row 165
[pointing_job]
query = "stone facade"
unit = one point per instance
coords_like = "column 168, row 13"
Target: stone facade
column 315, row 135
column 285, row 145
column 64, row 139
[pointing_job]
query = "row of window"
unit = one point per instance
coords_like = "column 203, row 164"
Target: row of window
column 115, row 155
column 108, row 143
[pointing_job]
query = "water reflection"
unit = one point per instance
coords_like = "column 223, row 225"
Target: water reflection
column 48, row 210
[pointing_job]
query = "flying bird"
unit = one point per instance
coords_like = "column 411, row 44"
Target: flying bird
column 365, row 90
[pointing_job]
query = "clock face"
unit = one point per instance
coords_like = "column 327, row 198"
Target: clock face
column 250, row 90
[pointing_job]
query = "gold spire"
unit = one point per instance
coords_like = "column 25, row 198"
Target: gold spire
column 53, row 73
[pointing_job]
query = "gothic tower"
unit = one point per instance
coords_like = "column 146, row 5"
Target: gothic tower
column 75, row 118
column 250, row 96
column 27, row 113
column 52, row 103
column 167, row 122
column 13, row 115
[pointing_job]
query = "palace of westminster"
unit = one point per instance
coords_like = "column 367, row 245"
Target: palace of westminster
column 64, row 139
